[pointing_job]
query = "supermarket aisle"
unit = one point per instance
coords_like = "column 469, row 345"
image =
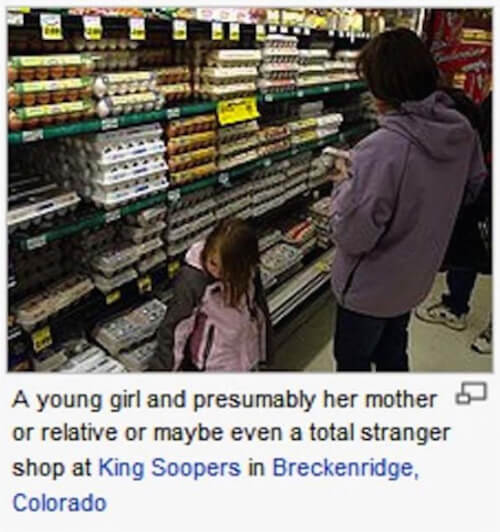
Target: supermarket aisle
column 433, row 348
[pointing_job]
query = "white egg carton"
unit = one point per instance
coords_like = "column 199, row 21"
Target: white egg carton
column 81, row 362
column 131, row 328
column 129, row 171
column 43, row 207
column 231, row 89
column 267, row 194
column 152, row 261
column 295, row 191
column 188, row 215
column 198, row 224
column 327, row 131
column 349, row 55
column 280, row 258
column 149, row 246
column 225, row 163
column 113, row 138
column 226, row 150
column 123, row 83
column 220, row 75
column 130, row 103
column 262, row 208
column 318, row 53
column 270, row 240
column 108, row 284
column 139, row 234
column 234, row 132
column 314, row 68
column 147, row 217
column 130, row 150
column 278, row 39
column 113, row 199
column 52, row 300
column 285, row 52
column 234, row 57
column 331, row 119
column 268, row 279
column 112, row 261
column 139, row 359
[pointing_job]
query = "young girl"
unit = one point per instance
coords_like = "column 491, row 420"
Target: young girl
column 218, row 319
column 392, row 219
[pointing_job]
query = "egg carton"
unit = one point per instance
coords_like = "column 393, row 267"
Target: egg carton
column 191, row 159
column 263, row 208
column 115, row 260
column 274, row 133
column 193, row 174
column 304, row 137
column 302, row 125
column 225, row 163
column 148, row 217
column 129, row 151
column 295, row 191
column 270, row 67
column 173, row 74
column 271, row 182
column 52, row 300
column 314, row 54
column 269, row 240
column 130, row 103
column 299, row 179
column 97, row 364
column 109, row 140
column 82, row 362
column 122, row 83
column 201, row 222
column 140, row 234
column 276, row 85
column 274, row 147
column 322, row 208
column 314, row 68
column 108, row 284
column 347, row 55
column 45, row 206
column 227, row 75
column 267, row 194
column 116, row 59
column 234, row 57
column 326, row 131
column 275, row 40
column 193, row 141
column 49, row 361
column 135, row 170
column 131, row 328
column 115, row 199
column 330, row 119
column 231, row 90
column 189, row 212
column 139, row 359
column 234, row 208
column 281, row 258
column 192, row 125
column 149, row 246
column 234, row 132
column 268, row 279
column 151, row 261
column 285, row 53
column 243, row 191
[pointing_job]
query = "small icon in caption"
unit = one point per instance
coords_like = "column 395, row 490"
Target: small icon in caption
column 471, row 391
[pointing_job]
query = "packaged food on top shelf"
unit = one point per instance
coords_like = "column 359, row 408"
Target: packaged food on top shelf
column 52, row 300
column 131, row 328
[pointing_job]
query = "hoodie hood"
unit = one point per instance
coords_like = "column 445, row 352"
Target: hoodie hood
column 193, row 256
column 433, row 124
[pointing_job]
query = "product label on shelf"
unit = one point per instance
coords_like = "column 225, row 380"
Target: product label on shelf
column 179, row 30
column 174, row 196
column 260, row 32
column 331, row 33
column 47, row 110
column 173, row 268
column 297, row 30
column 113, row 297
column 284, row 29
column 217, row 31
column 41, row 339
column 112, row 216
column 144, row 284
column 347, row 86
column 15, row 19
column 174, row 112
column 109, row 123
column 38, row 86
column 300, row 94
column 137, row 29
column 36, row 242
column 273, row 29
column 92, row 28
column 237, row 110
column 234, row 31
column 224, row 179
column 307, row 31
column 51, row 27
column 33, row 136
column 27, row 61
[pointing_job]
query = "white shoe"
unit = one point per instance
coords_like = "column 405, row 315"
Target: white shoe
column 482, row 344
column 439, row 313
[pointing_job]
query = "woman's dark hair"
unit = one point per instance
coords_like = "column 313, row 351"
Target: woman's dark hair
column 398, row 67
column 238, row 247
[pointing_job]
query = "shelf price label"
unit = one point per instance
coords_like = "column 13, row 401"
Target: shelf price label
column 137, row 29
column 36, row 242
column 300, row 94
column 173, row 268
column 112, row 216
column 109, row 123
column 32, row 136
column 260, row 32
column 307, row 31
column 224, row 179
column 217, row 31
column 51, row 27
column 92, row 28
column 113, row 297
column 284, row 29
column 234, row 31
column 297, row 30
column 41, row 339
column 15, row 19
column 331, row 33
column 179, row 30
column 347, row 86
column 237, row 110
column 269, row 98
column 174, row 112
column 174, row 196
column 273, row 29
column 144, row 284
column 353, row 37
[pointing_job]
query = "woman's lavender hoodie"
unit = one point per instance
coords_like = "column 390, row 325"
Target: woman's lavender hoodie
column 393, row 219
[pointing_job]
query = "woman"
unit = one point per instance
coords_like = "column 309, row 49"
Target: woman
column 392, row 219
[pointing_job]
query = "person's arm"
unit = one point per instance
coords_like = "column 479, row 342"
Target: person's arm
column 188, row 288
column 363, row 204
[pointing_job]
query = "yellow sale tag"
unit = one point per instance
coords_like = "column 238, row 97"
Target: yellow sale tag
column 217, row 31
column 260, row 32
column 51, row 27
column 173, row 268
column 145, row 284
column 237, row 110
column 234, row 31
column 180, row 30
column 41, row 339
column 113, row 297
column 92, row 28
column 137, row 29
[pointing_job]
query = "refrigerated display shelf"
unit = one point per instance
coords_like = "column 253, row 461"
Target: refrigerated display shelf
column 185, row 110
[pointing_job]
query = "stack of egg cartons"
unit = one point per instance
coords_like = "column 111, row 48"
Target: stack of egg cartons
column 230, row 74
column 312, row 67
column 80, row 356
column 111, row 168
column 189, row 220
column 320, row 214
column 297, row 175
column 345, row 65
column 274, row 139
column 235, row 202
column 237, row 144
column 269, row 187
column 280, row 66
column 191, row 148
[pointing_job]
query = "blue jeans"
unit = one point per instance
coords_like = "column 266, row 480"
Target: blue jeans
column 460, row 284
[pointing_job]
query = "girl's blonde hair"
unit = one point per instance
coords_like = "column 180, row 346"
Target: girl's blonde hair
column 237, row 245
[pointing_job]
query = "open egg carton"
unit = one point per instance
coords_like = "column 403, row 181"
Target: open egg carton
column 139, row 358
column 51, row 300
column 329, row 124
column 131, row 328
column 229, row 73
column 191, row 148
column 321, row 215
column 280, row 259
column 280, row 66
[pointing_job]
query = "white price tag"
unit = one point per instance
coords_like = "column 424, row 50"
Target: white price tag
column 300, row 94
column 224, row 179
column 347, row 86
column 260, row 32
column 112, row 216
column 174, row 112
column 15, row 19
column 341, row 34
column 342, row 137
column 234, row 31
column 268, row 98
column 36, row 242
column 174, row 195
column 51, row 27
column 217, row 31
column 179, row 30
column 284, row 29
column 33, row 136
column 297, row 30
column 137, row 29
column 109, row 123
column 92, row 28
column 353, row 37
column 331, row 33
column 273, row 29
column 326, row 90
column 267, row 163
column 307, row 31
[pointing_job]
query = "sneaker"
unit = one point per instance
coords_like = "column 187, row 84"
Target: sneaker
column 482, row 344
column 440, row 313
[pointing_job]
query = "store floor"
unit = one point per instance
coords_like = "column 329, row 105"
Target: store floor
column 433, row 348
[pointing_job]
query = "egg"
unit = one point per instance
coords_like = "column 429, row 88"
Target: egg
column 71, row 71
column 100, row 88
column 59, row 96
column 12, row 73
column 61, row 118
column 102, row 44
column 79, row 44
column 27, row 74
column 31, row 123
column 42, row 73
column 73, row 95
column 103, row 109
column 128, row 108
column 112, row 44
column 75, row 117
column 117, row 110
column 28, row 99
column 122, row 88
column 46, row 120
column 85, row 92
column 91, row 45
column 15, row 123
column 13, row 98
column 56, row 72
column 122, row 44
